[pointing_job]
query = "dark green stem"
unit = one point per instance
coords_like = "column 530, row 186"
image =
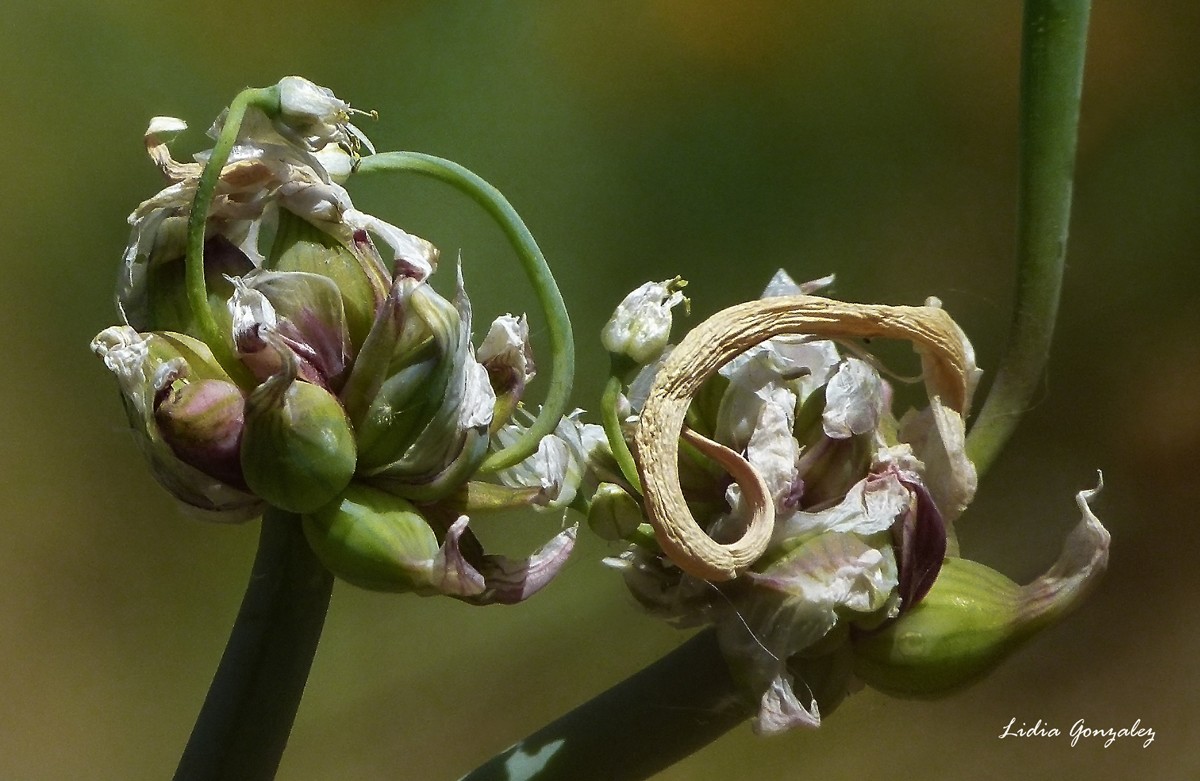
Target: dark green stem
column 243, row 727
column 206, row 189
column 562, row 344
column 644, row 724
column 1053, row 45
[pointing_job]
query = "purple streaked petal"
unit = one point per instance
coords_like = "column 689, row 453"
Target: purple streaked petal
column 920, row 541
column 510, row 581
column 450, row 572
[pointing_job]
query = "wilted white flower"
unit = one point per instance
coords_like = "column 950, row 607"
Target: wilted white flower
column 641, row 325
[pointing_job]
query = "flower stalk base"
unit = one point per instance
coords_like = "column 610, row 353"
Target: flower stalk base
column 243, row 727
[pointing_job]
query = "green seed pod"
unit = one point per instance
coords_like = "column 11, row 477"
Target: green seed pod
column 613, row 515
column 297, row 446
column 966, row 625
column 974, row 617
column 373, row 539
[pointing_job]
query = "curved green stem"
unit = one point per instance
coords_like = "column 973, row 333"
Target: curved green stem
column 206, row 189
column 244, row 724
column 1053, row 45
column 614, row 435
column 644, row 724
column 562, row 369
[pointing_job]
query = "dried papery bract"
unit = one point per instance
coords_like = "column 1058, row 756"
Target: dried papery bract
column 948, row 369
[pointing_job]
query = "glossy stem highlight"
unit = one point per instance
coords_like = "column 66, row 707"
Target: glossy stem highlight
column 611, row 421
column 646, row 723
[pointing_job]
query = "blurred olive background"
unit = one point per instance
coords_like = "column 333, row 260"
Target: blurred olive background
column 640, row 140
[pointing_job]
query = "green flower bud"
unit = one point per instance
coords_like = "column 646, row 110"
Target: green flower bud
column 301, row 246
column 298, row 448
column 425, row 432
column 613, row 515
column 202, row 424
column 412, row 353
column 373, row 539
column 974, row 617
column 966, row 625
column 380, row 541
column 153, row 292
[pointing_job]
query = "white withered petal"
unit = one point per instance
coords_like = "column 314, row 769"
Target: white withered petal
column 853, row 400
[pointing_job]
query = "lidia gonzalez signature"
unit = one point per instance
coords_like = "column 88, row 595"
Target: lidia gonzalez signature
column 1079, row 731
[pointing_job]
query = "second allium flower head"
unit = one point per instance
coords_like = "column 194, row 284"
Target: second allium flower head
column 320, row 376
column 767, row 488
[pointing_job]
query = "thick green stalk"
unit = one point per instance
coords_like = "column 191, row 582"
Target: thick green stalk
column 206, row 189
column 244, row 724
column 1053, row 45
column 562, row 368
column 644, row 724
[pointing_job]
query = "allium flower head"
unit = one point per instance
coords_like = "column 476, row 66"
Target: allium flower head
column 321, row 376
column 796, row 511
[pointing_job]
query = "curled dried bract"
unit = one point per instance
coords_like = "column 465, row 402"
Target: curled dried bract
column 948, row 370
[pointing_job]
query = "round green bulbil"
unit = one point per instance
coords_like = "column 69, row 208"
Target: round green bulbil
column 298, row 450
column 373, row 539
column 966, row 625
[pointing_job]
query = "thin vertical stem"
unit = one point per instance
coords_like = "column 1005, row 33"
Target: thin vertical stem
column 1053, row 45
column 612, row 432
column 206, row 190
column 247, row 716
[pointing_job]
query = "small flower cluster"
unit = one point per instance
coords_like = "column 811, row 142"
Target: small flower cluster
column 332, row 381
column 768, row 489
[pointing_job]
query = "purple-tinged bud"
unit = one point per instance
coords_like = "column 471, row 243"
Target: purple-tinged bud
column 151, row 367
column 357, row 272
column 304, row 313
column 919, row 538
column 202, row 424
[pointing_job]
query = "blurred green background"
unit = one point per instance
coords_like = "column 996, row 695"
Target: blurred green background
column 640, row 140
